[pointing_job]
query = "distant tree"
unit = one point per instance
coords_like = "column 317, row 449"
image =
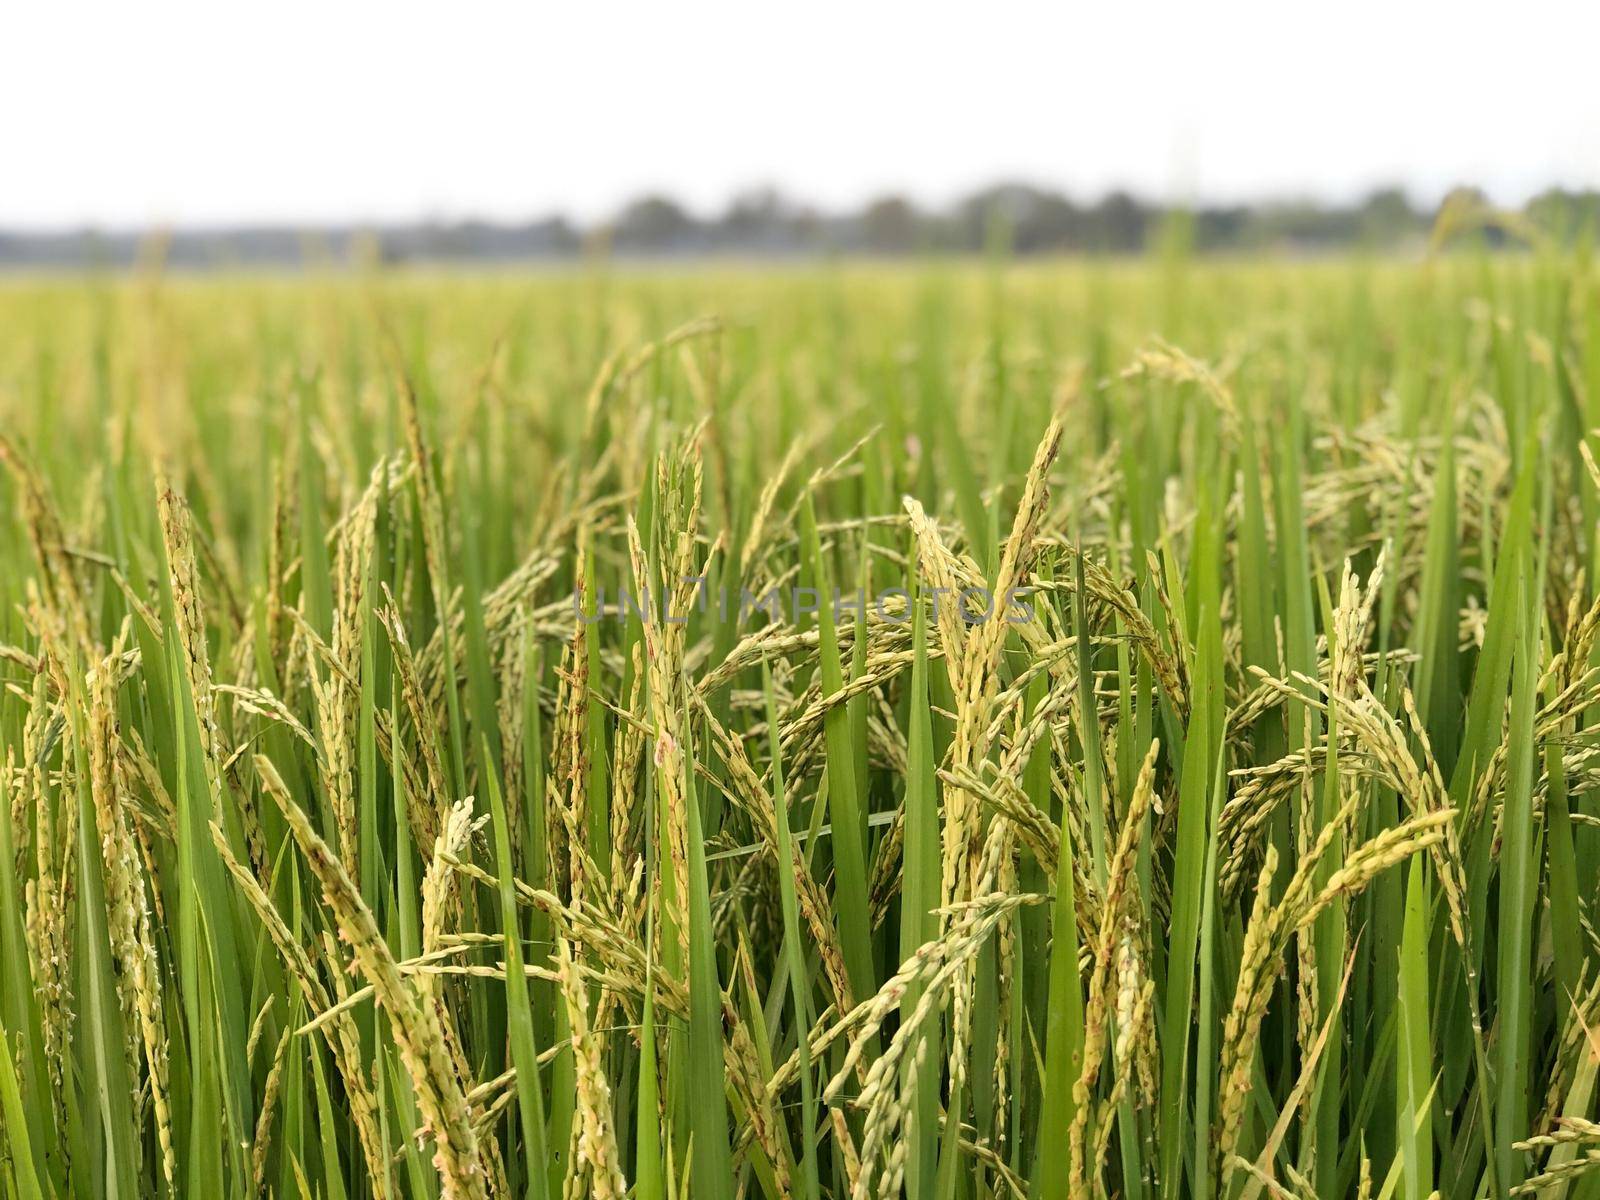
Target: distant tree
column 759, row 219
column 1565, row 214
column 1305, row 225
column 889, row 226
column 1387, row 217
column 561, row 235
column 1221, row 228
column 1032, row 219
column 752, row 211
column 1119, row 223
column 653, row 223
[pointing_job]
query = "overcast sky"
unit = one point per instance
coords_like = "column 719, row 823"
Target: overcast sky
column 203, row 113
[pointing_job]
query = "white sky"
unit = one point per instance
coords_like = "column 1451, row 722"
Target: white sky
column 199, row 113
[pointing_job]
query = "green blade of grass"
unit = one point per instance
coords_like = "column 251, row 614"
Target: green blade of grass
column 708, row 1115
column 855, row 924
column 519, row 1012
column 799, row 980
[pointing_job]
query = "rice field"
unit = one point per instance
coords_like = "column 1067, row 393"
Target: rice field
column 953, row 730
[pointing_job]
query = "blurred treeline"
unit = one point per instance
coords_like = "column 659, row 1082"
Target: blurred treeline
column 1016, row 218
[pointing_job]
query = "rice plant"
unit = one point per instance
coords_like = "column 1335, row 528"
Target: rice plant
column 947, row 730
